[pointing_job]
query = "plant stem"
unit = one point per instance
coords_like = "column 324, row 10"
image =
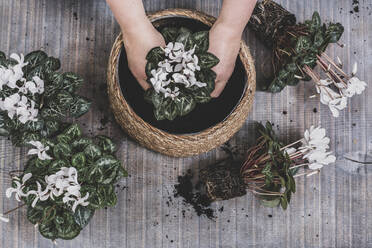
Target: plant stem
column 9, row 211
column 299, row 165
column 292, row 144
column 334, row 64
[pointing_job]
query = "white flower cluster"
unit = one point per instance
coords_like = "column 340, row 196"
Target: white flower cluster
column 314, row 148
column 337, row 101
column 178, row 68
column 40, row 150
column 18, row 104
column 64, row 182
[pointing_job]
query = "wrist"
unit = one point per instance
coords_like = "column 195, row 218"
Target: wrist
column 229, row 30
column 136, row 24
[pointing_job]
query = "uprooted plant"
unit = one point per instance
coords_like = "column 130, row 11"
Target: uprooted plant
column 269, row 168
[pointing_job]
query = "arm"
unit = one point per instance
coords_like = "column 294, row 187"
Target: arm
column 225, row 37
column 139, row 35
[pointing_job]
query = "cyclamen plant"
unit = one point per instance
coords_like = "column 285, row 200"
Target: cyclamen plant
column 68, row 177
column 294, row 46
column 34, row 97
column 180, row 74
column 270, row 168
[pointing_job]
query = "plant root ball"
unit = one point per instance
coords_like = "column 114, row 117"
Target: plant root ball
column 223, row 180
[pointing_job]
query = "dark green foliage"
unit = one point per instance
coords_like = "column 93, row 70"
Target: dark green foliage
column 298, row 46
column 166, row 108
column 58, row 101
column 277, row 172
column 98, row 171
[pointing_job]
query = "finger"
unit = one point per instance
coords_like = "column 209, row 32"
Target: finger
column 144, row 84
column 220, row 85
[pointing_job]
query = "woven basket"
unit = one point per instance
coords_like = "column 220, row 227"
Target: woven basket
column 171, row 144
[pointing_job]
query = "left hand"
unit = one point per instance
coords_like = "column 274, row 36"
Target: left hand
column 224, row 42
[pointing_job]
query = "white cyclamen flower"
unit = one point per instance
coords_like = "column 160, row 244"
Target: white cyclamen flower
column 40, row 150
column 335, row 101
column 3, row 219
column 354, row 86
column 18, row 190
column 315, row 138
column 318, row 158
column 178, row 68
column 80, row 201
column 65, row 182
column 314, row 148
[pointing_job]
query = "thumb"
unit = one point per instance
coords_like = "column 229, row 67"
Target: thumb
column 219, row 86
column 144, row 84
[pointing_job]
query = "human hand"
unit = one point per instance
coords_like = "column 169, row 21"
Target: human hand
column 137, row 45
column 224, row 42
column 139, row 35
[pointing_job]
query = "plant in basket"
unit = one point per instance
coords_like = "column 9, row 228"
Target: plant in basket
column 34, row 96
column 180, row 74
column 68, row 177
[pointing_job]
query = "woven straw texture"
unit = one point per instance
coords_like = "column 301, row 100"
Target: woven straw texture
column 170, row 144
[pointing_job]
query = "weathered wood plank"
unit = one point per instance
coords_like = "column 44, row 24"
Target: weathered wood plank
column 333, row 209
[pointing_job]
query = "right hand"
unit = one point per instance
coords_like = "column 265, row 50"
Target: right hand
column 137, row 45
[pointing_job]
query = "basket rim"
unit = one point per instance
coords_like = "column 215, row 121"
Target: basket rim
column 179, row 145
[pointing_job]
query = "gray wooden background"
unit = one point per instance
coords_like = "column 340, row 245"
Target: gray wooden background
column 333, row 209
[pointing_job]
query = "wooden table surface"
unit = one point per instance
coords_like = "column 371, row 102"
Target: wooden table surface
column 333, row 209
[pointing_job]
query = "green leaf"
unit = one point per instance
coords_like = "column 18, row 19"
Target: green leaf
column 302, row 44
column 34, row 215
column 71, row 81
column 271, row 203
column 207, row 60
column 92, row 151
column 66, row 226
column 202, row 96
column 159, row 114
column 315, row 22
column 185, row 104
column 184, row 36
column 108, row 194
column 207, row 76
column 56, row 165
column 201, row 40
column 81, row 143
column 284, row 202
column 52, row 126
column 73, row 131
column 170, row 110
column 155, row 55
column 62, row 150
column 83, row 215
column 106, row 144
column 318, row 39
column 63, row 138
column 149, row 67
column 48, row 230
column 169, row 34
column 78, row 160
column 64, row 99
column 157, row 99
column 105, row 170
column 34, row 126
column 33, row 59
column 80, row 106
column 334, row 32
